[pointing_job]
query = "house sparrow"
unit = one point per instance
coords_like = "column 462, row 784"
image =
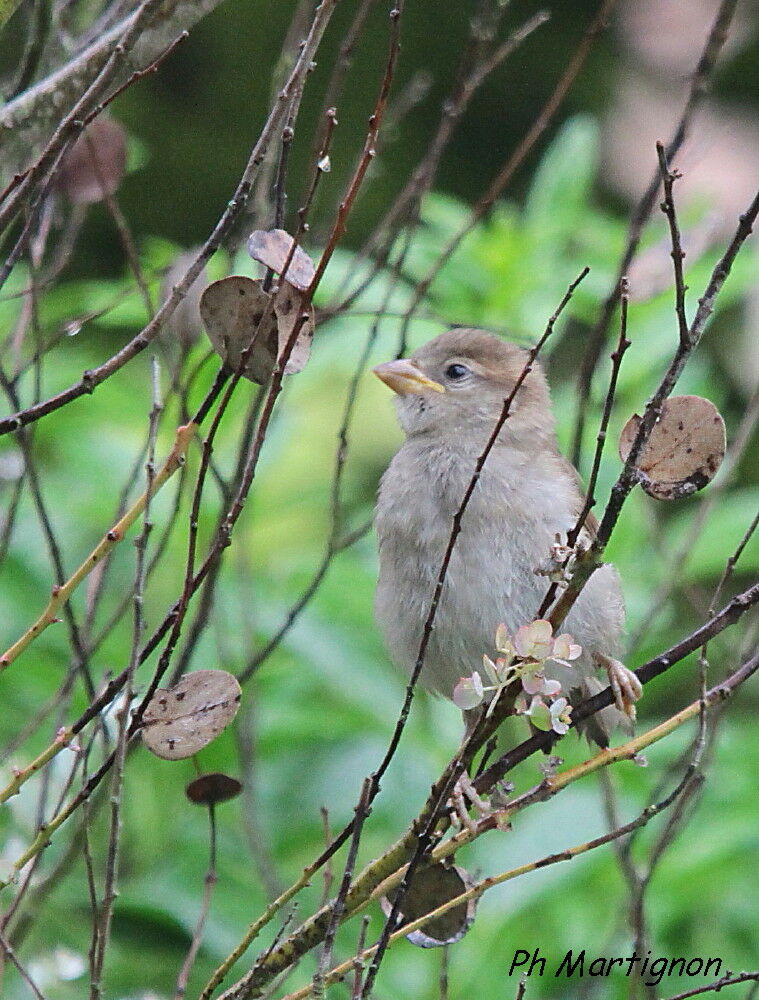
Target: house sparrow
column 449, row 396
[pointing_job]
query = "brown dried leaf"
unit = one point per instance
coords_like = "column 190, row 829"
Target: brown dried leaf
column 180, row 721
column 208, row 789
column 94, row 165
column 232, row 310
column 432, row 887
column 287, row 308
column 271, row 248
column 684, row 451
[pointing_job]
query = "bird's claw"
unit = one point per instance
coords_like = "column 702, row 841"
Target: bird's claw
column 624, row 684
column 465, row 797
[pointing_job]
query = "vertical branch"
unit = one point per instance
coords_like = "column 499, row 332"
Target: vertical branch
column 475, row 68
column 105, row 911
column 515, row 160
column 677, row 253
column 616, row 363
column 208, row 888
column 589, row 560
column 338, row 908
column 73, row 123
column 597, row 338
column 590, row 501
column 483, row 730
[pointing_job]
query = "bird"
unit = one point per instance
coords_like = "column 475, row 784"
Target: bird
column 449, row 395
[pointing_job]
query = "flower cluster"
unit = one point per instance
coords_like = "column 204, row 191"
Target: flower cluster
column 523, row 658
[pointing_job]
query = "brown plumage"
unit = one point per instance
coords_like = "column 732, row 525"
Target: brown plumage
column 449, row 396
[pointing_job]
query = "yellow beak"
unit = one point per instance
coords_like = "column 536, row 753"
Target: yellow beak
column 404, row 377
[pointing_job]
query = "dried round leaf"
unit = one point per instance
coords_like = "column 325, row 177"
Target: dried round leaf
column 684, row 451
column 287, row 307
column 432, row 887
column 232, row 310
column 180, row 721
column 94, row 165
column 208, row 789
column 272, row 248
column 183, row 327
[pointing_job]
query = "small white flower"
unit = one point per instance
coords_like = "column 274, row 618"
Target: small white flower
column 560, row 712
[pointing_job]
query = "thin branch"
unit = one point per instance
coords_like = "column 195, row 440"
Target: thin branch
column 729, row 979
column 590, row 559
column 103, row 921
column 92, row 378
column 590, row 499
column 548, row 788
column 338, row 907
column 340, row 68
column 677, row 253
column 72, row 124
column 8, row 952
column 597, row 337
column 730, row 614
column 62, row 592
column 506, row 173
column 209, row 883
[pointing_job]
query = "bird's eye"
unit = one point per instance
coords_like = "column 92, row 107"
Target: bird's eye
column 456, row 371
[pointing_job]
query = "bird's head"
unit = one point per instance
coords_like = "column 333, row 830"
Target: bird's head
column 455, row 386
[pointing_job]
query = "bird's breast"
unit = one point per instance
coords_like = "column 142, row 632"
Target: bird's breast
column 505, row 534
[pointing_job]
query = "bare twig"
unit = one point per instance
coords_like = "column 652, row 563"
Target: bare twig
column 678, row 254
column 102, row 923
column 730, row 979
column 62, row 592
column 590, row 499
column 8, row 952
column 209, row 883
column 338, row 908
column 95, row 376
column 597, row 338
column 73, row 123
column 589, row 560
column 515, row 160
column 730, row 614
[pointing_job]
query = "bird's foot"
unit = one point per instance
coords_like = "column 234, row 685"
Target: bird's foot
column 625, row 685
column 465, row 797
